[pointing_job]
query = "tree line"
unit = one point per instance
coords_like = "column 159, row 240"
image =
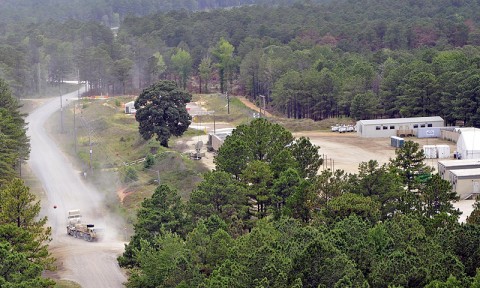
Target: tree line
column 265, row 218
column 24, row 236
column 111, row 13
column 362, row 59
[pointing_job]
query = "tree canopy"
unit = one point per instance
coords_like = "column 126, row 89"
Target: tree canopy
column 162, row 111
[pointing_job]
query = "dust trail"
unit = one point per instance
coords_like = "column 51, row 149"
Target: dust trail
column 89, row 264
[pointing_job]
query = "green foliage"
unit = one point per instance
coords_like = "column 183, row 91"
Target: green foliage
column 321, row 264
column 160, row 267
column 352, row 204
column 24, row 238
column 14, row 144
column 163, row 212
column 121, row 71
column 474, row 217
column 161, row 111
column 219, row 194
column 149, row 161
column 16, row 270
column 226, row 62
column 182, row 62
column 205, row 72
column 379, row 183
column 307, row 157
column 409, row 163
column 131, row 175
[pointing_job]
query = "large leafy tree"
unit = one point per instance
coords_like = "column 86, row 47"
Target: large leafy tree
column 162, row 111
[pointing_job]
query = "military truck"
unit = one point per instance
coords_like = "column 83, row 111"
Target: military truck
column 87, row 232
column 77, row 229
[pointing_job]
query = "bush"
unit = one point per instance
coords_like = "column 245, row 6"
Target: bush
column 130, row 175
column 149, row 161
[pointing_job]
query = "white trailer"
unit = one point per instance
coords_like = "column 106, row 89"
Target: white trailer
column 444, row 166
column 465, row 182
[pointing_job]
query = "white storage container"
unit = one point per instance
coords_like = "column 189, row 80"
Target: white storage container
column 430, row 151
column 443, row 151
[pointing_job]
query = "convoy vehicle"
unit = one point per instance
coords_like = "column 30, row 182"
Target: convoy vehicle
column 77, row 229
column 87, row 232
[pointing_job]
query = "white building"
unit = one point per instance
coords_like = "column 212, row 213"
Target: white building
column 468, row 144
column 215, row 140
column 465, row 182
column 396, row 126
column 445, row 166
column 130, row 107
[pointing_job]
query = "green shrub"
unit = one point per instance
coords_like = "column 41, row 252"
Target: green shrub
column 149, row 161
column 130, row 175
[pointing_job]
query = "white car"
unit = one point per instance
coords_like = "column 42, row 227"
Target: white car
column 335, row 128
column 342, row 129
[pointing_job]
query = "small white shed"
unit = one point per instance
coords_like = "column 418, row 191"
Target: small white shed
column 130, row 107
column 215, row 140
column 465, row 182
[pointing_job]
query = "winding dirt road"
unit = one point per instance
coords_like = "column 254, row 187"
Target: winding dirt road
column 89, row 264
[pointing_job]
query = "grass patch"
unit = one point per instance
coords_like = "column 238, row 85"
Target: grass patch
column 239, row 113
column 66, row 284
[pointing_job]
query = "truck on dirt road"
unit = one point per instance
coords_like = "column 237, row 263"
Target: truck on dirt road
column 77, row 229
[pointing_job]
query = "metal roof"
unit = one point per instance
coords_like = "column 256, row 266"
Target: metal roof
column 460, row 163
column 400, row 120
column 466, row 172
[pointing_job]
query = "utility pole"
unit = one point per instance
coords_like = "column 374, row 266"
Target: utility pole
column 78, row 79
column 74, row 127
column 90, row 144
column 264, row 115
column 228, row 102
column 61, row 109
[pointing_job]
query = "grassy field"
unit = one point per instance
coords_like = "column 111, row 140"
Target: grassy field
column 240, row 114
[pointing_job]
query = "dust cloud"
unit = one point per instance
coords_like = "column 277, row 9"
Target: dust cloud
column 91, row 264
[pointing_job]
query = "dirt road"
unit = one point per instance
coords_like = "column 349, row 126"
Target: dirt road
column 89, row 264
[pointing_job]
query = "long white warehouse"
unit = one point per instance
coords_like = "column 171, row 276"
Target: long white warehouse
column 396, row 126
